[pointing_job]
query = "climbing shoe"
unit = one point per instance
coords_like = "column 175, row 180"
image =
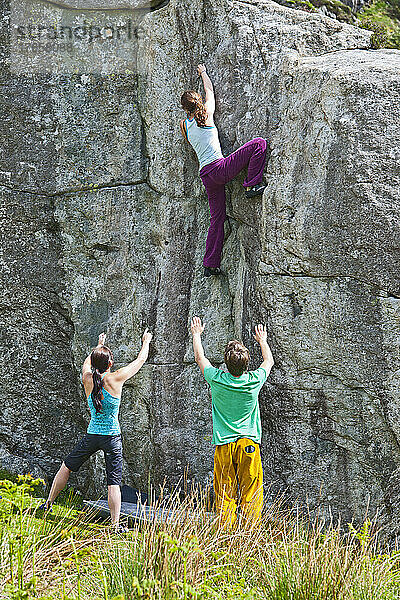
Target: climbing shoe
column 209, row 271
column 256, row 190
column 44, row 508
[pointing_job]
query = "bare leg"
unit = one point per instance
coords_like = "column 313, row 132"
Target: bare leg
column 114, row 503
column 59, row 483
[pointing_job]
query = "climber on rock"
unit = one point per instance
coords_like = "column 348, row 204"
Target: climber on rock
column 236, row 425
column 103, row 392
column 215, row 170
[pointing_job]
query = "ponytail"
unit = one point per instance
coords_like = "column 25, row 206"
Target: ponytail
column 100, row 360
column 192, row 103
column 200, row 114
column 97, row 394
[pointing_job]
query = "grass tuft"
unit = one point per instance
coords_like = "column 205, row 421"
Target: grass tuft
column 186, row 555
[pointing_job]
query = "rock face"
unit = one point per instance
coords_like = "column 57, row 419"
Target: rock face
column 104, row 223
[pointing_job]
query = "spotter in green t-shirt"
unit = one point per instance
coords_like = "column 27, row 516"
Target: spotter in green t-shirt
column 235, row 409
column 238, row 472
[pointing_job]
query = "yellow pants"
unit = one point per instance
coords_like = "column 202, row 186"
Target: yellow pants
column 238, row 476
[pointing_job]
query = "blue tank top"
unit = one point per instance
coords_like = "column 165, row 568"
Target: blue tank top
column 106, row 421
column 205, row 142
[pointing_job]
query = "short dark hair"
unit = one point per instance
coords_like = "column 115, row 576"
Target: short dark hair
column 236, row 357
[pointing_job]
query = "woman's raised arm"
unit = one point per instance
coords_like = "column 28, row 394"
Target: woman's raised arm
column 209, row 91
column 121, row 375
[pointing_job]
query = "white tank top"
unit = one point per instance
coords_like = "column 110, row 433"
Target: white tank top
column 205, row 142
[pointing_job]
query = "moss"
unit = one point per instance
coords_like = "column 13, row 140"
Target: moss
column 383, row 18
column 300, row 4
column 380, row 36
column 342, row 11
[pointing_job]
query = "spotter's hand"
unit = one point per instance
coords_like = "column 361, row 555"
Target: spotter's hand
column 260, row 333
column 196, row 325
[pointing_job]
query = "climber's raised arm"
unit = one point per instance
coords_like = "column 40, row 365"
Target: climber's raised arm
column 209, row 104
column 121, row 375
column 260, row 336
column 197, row 329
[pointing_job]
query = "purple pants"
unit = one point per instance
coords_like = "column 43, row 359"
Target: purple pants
column 214, row 176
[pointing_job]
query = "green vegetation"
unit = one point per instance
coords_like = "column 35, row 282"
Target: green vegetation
column 68, row 497
column 301, row 4
column 383, row 18
column 342, row 11
column 62, row 556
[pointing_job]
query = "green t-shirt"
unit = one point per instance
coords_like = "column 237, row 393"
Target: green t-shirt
column 235, row 409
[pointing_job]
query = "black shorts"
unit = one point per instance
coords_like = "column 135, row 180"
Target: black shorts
column 91, row 443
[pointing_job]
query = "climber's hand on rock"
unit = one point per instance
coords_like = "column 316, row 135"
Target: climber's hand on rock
column 147, row 336
column 260, row 334
column 201, row 69
column 196, row 325
column 102, row 339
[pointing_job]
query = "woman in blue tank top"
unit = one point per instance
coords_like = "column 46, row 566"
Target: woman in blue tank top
column 103, row 390
column 215, row 170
